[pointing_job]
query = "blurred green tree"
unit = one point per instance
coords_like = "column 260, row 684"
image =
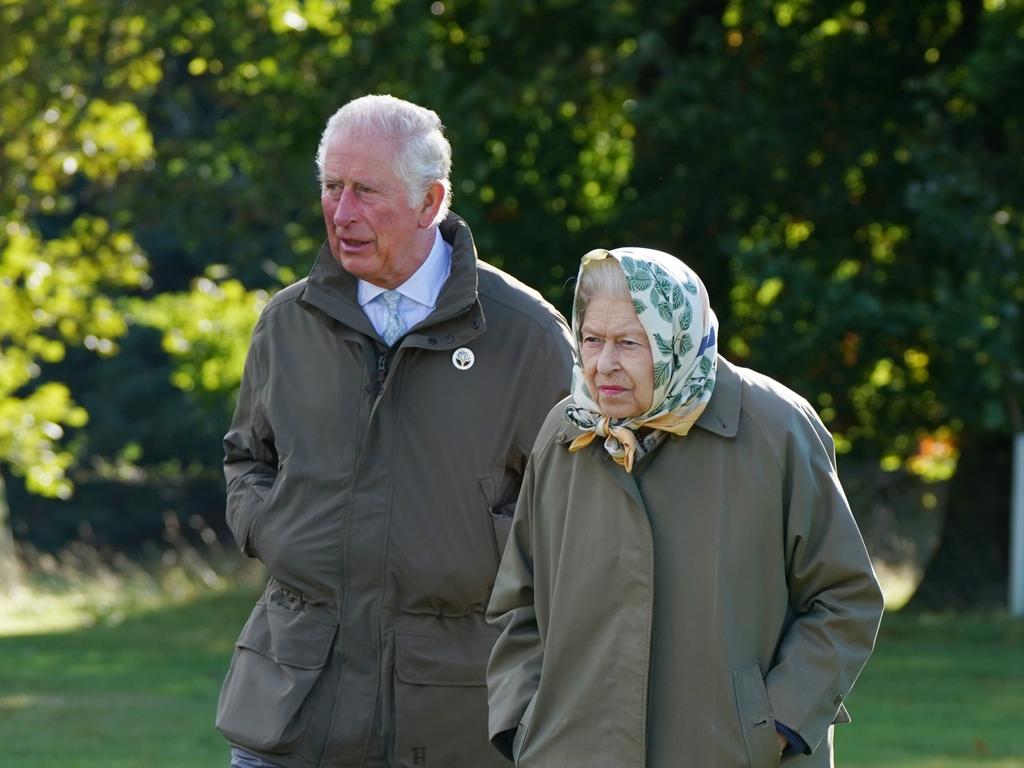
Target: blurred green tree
column 843, row 174
column 57, row 260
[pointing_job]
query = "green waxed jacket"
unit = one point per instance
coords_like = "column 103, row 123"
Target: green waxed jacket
column 668, row 618
column 377, row 487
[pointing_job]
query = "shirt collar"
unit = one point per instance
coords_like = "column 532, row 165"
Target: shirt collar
column 424, row 285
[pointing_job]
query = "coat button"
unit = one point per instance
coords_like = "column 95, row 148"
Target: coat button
column 449, row 339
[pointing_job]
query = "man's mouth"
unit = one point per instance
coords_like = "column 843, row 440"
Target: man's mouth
column 352, row 244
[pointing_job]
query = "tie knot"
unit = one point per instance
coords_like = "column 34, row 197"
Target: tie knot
column 391, row 299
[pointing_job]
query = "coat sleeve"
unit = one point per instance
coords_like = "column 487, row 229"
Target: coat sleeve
column 834, row 596
column 513, row 673
column 250, row 455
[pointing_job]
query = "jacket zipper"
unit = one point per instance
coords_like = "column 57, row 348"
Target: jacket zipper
column 382, row 373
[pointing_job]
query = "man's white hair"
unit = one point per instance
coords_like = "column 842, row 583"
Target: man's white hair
column 424, row 155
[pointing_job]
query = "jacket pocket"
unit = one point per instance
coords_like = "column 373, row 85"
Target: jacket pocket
column 245, row 502
column 441, row 702
column 501, row 521
column 755, row 713
column 519, row 740
column 278, row 658
column 500, row 514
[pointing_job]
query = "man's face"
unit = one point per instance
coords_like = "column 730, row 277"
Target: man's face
column 371, row 228
column 617, row 362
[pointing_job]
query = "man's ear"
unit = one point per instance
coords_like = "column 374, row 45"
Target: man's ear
column 431, row 204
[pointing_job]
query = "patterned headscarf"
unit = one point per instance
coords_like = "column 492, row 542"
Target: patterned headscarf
column 673, row 307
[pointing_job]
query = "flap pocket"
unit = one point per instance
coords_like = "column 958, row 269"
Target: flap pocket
column 440, row 702
column 279, row 658
column 296, row 639
column 451, row 660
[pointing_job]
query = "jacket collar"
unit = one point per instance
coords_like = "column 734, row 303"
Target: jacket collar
column 720, row 417
column 457, row 318
column 722, row 414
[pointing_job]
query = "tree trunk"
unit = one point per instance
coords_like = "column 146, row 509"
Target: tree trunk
column 970, row 567
column 10, row 568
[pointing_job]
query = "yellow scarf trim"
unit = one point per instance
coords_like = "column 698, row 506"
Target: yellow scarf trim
column 620, row 442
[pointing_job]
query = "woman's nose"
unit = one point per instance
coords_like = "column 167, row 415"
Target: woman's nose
column 608, row 360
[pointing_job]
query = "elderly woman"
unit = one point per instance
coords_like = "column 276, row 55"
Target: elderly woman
column 684, row 583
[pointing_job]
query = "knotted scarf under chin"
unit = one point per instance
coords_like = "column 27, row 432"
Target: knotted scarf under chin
column 619, row 440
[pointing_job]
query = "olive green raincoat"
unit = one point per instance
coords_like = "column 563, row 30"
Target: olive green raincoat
column 667, row 618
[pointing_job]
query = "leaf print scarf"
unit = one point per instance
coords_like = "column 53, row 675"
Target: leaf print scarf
column 673, row 306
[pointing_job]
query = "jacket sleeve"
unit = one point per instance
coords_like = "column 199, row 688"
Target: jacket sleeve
column 834, row 596
column 513, row 673
column 250, row 456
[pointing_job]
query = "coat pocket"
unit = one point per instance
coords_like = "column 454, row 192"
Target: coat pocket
column 244, row 504
column 519, row 740
column 501, row 520
column 441, row 702
column 278, row 658
column 500, row 513
column 755, row 713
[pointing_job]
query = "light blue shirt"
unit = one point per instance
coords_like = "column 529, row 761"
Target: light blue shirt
column 418, row 294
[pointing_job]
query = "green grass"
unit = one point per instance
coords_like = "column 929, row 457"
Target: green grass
column 137, row 694
column 940, row 692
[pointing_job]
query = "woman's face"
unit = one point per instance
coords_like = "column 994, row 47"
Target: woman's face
column 617, row 362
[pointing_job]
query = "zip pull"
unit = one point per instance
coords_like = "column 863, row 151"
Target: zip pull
column 382, row 372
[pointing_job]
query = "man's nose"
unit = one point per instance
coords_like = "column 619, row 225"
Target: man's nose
column 345, row 210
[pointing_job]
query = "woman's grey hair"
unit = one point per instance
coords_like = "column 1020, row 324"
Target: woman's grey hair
column 603, row 277
column 424, row 154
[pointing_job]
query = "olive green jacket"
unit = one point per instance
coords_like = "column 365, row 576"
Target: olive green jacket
column 377, row 486
column 668, row 617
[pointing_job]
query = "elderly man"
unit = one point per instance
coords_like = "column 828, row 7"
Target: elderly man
column 386, row 413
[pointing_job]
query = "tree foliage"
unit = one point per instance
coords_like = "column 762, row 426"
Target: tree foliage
column 57, row 259
column 844, row 175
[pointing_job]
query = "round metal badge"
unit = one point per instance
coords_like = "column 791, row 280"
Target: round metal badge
column 463, row 358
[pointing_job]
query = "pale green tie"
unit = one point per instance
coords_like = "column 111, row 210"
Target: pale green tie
column 395, row 325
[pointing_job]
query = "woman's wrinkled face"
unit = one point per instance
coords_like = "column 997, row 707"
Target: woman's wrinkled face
column 617, row 362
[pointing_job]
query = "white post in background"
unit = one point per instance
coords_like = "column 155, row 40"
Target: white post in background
column 1017, row 529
